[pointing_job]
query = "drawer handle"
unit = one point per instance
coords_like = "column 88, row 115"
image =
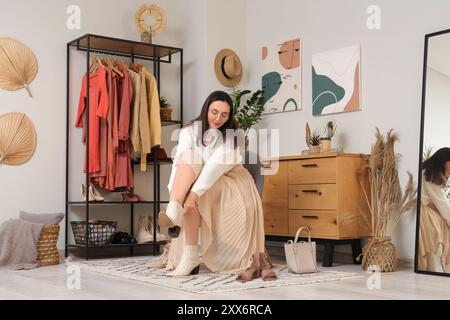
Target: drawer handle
column 311, row 217
column 312, row 191
column 312, row 165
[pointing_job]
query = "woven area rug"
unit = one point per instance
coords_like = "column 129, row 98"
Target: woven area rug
column 205, row 282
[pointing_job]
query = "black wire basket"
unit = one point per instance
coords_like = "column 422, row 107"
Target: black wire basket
column 100, row 232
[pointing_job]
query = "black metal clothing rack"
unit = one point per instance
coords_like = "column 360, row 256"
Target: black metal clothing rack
column 92, row 43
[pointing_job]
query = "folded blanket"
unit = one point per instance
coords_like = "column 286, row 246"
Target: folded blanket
column 18, row 240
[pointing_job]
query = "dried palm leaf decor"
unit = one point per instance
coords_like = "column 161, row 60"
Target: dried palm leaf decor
column 17, row 138
column 18, row 65
column 386, row 202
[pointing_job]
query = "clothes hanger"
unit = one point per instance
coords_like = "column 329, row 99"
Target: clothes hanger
column 94, row 65
column 100, row 62
column 137, row 67
column 113, row 67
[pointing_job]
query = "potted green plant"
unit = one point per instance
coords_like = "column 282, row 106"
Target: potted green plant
column 314, row 142
column 165, row 109
column 329, row 131
column 249, row 113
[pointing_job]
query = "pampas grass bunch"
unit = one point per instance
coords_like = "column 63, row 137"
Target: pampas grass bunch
column 387, row 204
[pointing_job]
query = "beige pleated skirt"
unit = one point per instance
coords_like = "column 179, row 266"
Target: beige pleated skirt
column 433, row 235
column 232, row 224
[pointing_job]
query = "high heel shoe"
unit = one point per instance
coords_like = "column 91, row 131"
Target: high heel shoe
column 83, row 192
column 266, row 265
column 131, row 197
column 95, row 193
column 189, row 263
column 252, row 272
column 144, row 233
column 92, row 196
column 174, row 232
column 173, row 215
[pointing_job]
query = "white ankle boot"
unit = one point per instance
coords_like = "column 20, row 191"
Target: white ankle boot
column 144, row 233
column 189, row 263
column 173, row 216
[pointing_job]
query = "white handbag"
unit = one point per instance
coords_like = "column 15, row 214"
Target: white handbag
column 301, row 255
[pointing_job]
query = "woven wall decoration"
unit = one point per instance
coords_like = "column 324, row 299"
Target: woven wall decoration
column 144, row 23
column 18, row 65
column 17, row 138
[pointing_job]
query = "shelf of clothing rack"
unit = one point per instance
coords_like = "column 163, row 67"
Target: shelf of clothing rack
column 133, row 50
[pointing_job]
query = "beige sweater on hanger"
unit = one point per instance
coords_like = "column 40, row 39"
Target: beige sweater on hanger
column 149, row 133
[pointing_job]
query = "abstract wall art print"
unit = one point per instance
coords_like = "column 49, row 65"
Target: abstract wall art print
column 282, row 77
column 336, row 81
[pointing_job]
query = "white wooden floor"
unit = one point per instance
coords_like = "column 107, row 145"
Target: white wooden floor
column 50, row 283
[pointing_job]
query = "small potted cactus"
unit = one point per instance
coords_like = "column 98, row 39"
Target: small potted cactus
column 165, row 109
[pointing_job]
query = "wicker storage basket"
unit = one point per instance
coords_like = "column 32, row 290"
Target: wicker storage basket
column 47, row 252
column 100, row 232
column 380, row 252
column 166, row 114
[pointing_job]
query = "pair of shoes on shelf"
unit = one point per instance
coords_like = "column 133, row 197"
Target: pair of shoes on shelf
column 260, row 266
column 145, row 234
column 131, row 197
column 94, row 194
column 189, row 263
column 120, row 237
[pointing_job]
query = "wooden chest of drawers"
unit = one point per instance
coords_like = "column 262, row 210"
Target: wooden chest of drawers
column 320, row 191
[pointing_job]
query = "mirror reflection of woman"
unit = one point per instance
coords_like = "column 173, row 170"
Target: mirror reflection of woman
column 435, row 214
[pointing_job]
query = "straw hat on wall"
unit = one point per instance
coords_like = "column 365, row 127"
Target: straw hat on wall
column 228, row 67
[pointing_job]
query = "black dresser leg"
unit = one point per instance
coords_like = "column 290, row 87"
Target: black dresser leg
column 328, row 254
column 356, row 250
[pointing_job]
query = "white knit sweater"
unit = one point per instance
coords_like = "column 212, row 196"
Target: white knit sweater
column 217, row 157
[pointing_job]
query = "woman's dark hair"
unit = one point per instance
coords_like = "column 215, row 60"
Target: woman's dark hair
column 434, row 166
column 203, row 117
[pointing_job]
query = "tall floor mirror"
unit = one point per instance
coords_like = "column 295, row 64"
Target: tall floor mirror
column 433, row 205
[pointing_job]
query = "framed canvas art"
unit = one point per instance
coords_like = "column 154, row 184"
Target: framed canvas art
column 281, row 77
column 336, row 85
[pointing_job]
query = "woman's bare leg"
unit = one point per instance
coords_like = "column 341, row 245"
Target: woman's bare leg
column 184, row 178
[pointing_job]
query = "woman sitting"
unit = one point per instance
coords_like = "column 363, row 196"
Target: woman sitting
column 435, row 214
column 210, row 188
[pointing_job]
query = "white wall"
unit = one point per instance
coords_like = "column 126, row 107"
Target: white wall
column 39, row 185
column 437, row 110
column 391, row 71
column 226, row 21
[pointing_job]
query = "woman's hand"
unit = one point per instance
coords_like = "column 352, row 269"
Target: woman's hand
column 190, row 205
